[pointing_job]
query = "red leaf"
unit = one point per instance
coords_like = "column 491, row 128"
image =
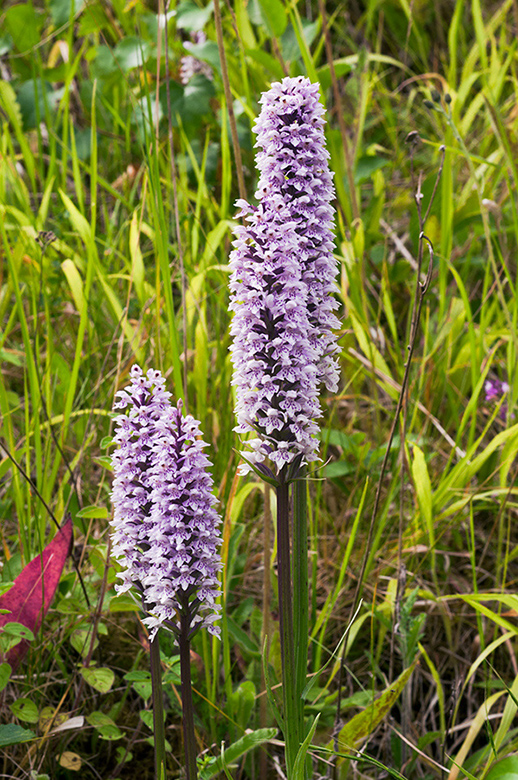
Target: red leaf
column 33, row 589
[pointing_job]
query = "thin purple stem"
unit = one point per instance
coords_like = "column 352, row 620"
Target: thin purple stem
column 158, row 709
column 189, row 740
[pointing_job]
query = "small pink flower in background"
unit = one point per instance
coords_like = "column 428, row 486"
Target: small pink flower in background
column 190, row 65
column 495, row 389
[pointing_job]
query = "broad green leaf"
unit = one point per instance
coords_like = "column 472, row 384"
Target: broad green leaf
column 339, row 468
column 242, row 702
column 366, row 166
column 80, row 640
column 104, row 64
column 235, row 751
column 12, row 734
column 191, row 17
column 268, row 62
column 23, row 23
column 5, row 45
column 110, row 733
column 25, row 709
column 105, row 461
column 98, row 719
column 61, row 10
column 173, row 674
column 132, row 52
column 123, row 755
column 33, row 97
column 144, row 689
column 363, row 724
column 19, row 631
column 507, row 769
column 208, row 52
column 146, row 716
column 290, row 45
column 244, row 27
column 94, row 21
column 138, row 675
column 106, row 727
column 100, row 678
column 123, row 603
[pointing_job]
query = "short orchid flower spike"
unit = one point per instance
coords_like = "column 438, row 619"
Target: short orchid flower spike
column 165, row 527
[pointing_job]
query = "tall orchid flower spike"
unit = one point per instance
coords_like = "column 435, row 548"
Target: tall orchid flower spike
column 282, row 283
column 165, row 527
column 165, row 534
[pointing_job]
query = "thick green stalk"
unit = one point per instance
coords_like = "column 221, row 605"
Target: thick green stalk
column 158, row 709
column 289, row 678
column 189, row 740
column 300, row 592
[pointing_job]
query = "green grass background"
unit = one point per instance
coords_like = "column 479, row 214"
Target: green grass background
column 117, row 186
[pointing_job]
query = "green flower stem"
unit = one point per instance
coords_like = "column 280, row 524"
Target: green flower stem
column 300, row 592
column 189, row 740
column 291, row 720
column 158, row 709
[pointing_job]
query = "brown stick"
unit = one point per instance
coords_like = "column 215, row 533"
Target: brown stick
column 228, row 100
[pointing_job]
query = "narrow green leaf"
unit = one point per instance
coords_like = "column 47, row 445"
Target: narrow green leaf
column 238, row 749
column 93, row 512
column 5, row 674
column 423, row 488
column 274, row 16
column 299, row 770
column 242, row 638
column 79, row 222
column 137, row 263
column 75, row 283
column 363, row 724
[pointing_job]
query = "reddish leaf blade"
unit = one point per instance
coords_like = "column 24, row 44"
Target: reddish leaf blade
column 34, row 588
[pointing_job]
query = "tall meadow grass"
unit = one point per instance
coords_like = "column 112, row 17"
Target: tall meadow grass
column 117, row 192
